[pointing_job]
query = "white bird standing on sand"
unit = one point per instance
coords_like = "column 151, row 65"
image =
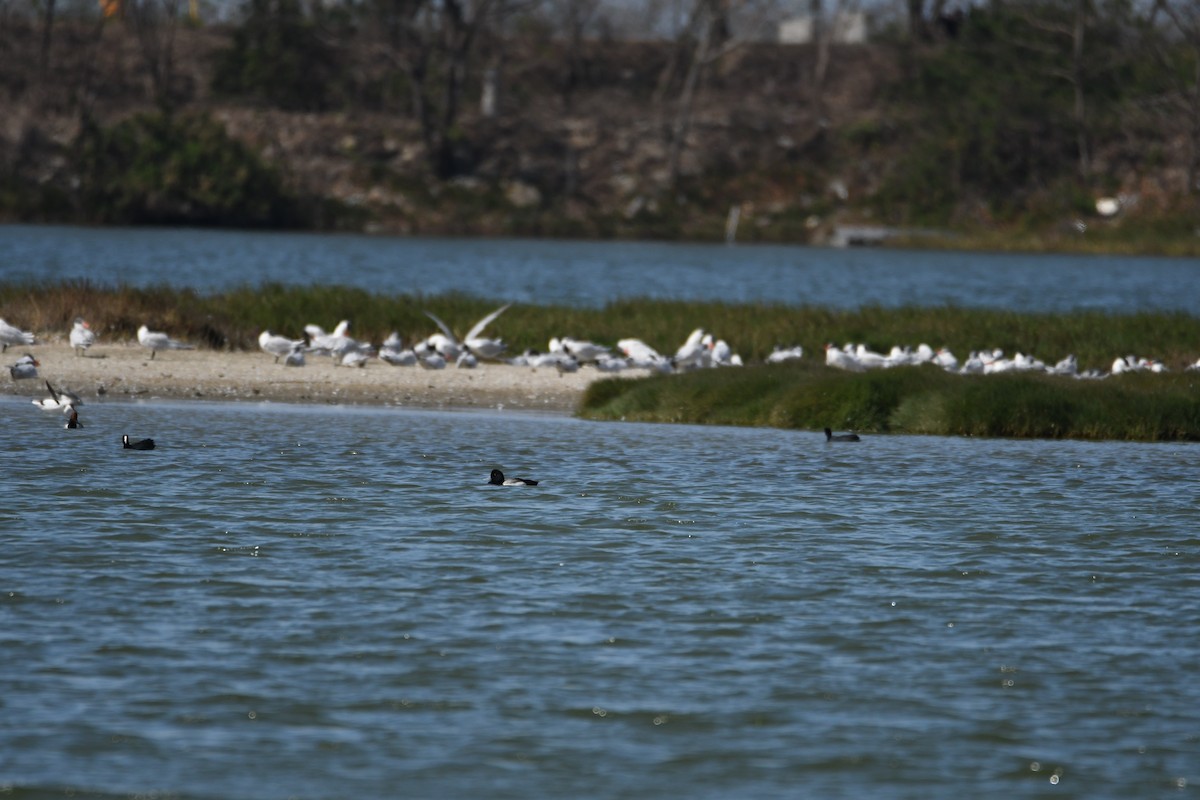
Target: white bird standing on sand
column 12, row 335
column 583, row 351
column 82, row 336
column 431, row 360
column 278, row 346
column 449, row 345
column 336, row 344
column 394, row 353
column 155, row 341
column 26, row 367
column 317, row 332
column 643, row 356
column 295, row 357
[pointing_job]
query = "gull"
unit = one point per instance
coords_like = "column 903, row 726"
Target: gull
column 82, row 336
column 612, row 364
column 354, row 356
column 497, row 479
column 1066, row 366
column 840, row 359
column 26, row 367
column 869, row 358
column 335, row 344
column 637, row 349
column 1124, row 364
column 723, row 355
column 450, row 346
column 317, row 332
column 431, row 360
column 694, row 352
column 973, row 365
column 156, row 341
column 295, row 356
column 945, row 359
column 59, row 399
column 12, row 335
column 278, row 346
column 643, row 356
column 781, row 354
column 584, row 351
column 394, row 353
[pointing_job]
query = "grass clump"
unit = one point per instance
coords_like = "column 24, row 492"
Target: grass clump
column 927, row 400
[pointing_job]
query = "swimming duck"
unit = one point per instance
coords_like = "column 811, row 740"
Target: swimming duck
column 498, row 479
column 73, row 422
column 136, row 444
column 841, row 437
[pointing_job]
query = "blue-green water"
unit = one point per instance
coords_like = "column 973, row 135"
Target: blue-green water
column 591, row 274
column 315, row 602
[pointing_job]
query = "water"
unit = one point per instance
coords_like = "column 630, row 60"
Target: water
column 591, row 274
column 320, row 602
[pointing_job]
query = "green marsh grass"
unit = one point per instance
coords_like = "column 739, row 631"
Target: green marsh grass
column 922, row 400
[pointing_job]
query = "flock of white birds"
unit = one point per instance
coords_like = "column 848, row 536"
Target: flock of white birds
column 858, row 358
column 566, row 354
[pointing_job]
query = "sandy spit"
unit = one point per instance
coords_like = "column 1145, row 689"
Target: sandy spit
column 121, row 371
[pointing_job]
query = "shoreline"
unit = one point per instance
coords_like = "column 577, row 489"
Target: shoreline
column 111, row 372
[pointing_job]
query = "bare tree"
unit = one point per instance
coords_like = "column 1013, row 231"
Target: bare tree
column 431, row 43
column 825, row 31
column 1072, row 27
column 708, row 36
column 155, row 23
column 1185, row 18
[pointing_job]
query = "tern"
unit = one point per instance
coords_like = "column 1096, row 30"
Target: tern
column 155, row 341
column 449, row 345
column 278, row 346
column 26, row 367
column 82, row 336
column 12, row 335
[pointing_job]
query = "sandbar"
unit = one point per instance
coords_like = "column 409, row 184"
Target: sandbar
column 118, row 371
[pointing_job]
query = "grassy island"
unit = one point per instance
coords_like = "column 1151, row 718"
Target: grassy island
column 925, row 399
column 800, row 394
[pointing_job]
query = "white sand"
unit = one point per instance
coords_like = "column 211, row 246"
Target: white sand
column 125, row 371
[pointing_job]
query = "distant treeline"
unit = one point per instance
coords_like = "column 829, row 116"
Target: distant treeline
column 1018, row 115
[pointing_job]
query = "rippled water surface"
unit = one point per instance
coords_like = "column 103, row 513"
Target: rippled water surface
column 318, row 602
column 594, row 273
